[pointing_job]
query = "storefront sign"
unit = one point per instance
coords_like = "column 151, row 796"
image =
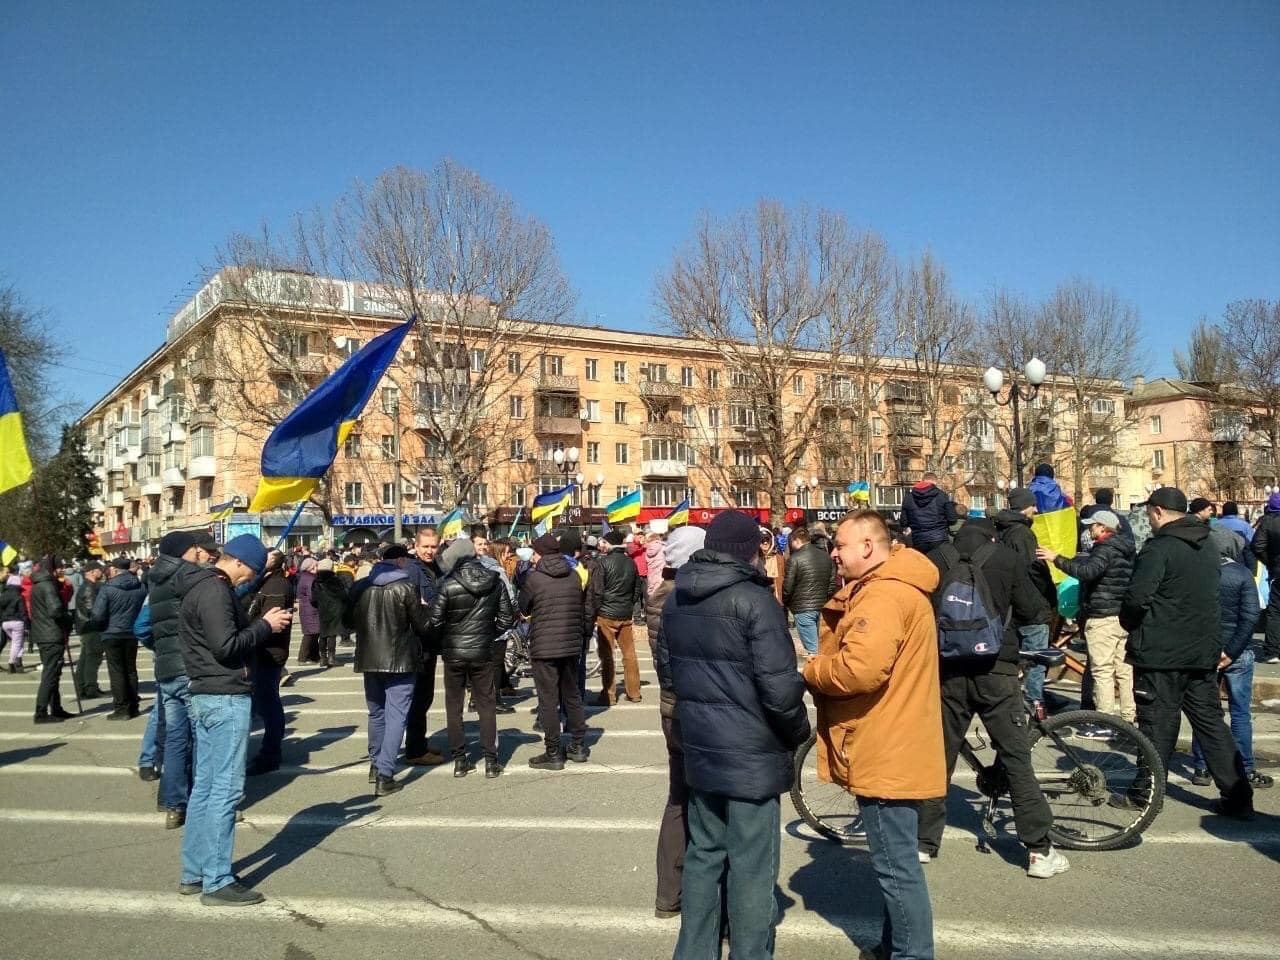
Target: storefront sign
column 383, row 519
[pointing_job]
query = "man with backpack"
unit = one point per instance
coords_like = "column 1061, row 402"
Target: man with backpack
column 983, row 591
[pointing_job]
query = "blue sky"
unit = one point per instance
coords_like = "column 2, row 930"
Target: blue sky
column 1135, row 144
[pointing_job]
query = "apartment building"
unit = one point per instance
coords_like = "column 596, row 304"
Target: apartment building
column 178, row 440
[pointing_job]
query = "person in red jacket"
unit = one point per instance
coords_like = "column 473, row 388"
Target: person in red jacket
column 635, row 550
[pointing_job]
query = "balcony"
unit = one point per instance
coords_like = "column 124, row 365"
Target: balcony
column 133, row 492
column 202, row 368
column 1262, row 466
column 97, row 504
column 203, row 418
column 746, row 473
column 130, row 454
column 903, row 396
column 659, row 389
column 663, row 430
column 151, row 445
column 308, row 365
column 174, row 433
column 1097, row 480
column 910, row 476
column 833, row 398
column 556, row 383
column 117, row 498
column 177, row 387
column 836, row 471
column 174, row 477
column 153, row 487
column 558, row 426
column 663, row 469
column 202, row 468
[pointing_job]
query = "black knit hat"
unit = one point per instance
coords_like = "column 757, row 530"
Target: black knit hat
column 1020, row 498
column 546, row 545
column 570, row 542
column 736, row 534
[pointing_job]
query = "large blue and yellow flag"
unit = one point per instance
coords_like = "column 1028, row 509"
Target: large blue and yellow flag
column 302, row 447
column 451, row 524
column 549, row 505
column 679, row 516
column 15, row 461
column 624, row 508
column 1058, row 530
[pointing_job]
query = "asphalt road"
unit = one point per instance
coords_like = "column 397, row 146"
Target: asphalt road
column 545, row 865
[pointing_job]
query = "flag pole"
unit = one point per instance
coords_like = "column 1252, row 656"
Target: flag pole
column 289, row 529
column 511, row 534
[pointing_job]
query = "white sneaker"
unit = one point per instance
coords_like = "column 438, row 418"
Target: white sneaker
column 924, row 857
column 1272, row 660
column 1046, row 865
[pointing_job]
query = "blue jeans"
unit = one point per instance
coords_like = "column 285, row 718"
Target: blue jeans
column 221, row 723
column 173, row 698
column 1239, row 680
column 739, row 841
column 152, row 752
column 892, row 828
column 1034, row 636
column 388, row 696
column 266, row 704
column 807, row 627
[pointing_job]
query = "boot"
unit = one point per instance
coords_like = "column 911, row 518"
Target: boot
column 61, row 714
column 13, row 668
column 43, row 716
column 373, row 773
column 503, row 708
column 174, row 818
column 492, row 768
column 551, row 759
column 386, row 786
column 462, row 766
column 578, row 751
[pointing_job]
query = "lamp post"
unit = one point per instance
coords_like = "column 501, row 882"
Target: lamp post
column 567, row 462
column 993, row 379
column 398, row 523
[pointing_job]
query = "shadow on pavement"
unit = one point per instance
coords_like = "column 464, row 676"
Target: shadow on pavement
column 306, row 830
column 1262, row 832
column 23, row 754
column 839, row 885
column 297, row 752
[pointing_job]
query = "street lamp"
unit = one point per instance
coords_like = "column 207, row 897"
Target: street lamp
column 566, row 461
column 993, row 380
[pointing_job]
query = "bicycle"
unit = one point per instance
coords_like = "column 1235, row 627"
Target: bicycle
column 1101, row 776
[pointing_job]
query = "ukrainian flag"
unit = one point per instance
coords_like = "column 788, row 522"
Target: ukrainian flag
column 679, row 517
column 302, row 447
column 15, row 461
column 451, row 524
column 7, row 554
column 220, row 511
column 549, row 505
column 626, row 508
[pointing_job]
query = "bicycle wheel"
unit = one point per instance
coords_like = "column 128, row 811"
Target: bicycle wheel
column 830, row 810
column 1102, row 778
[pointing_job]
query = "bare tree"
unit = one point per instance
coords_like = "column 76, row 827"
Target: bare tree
column 30, row 351
column 1208, row 359
column 1246, row 412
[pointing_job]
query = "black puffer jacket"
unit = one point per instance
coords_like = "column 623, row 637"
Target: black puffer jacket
column 168, row 582
column 11, row 608
column 472, row 609
column 1015, row 532
column 117, row 606
column 810, row 580
column 553, row 599
column 218, row 643
column 50, row 619
column 390, row 621
column 1104, row 574
column 739, row 697
column 1171, row 608
column 658, row 641
column 1238, row 600
column 929, row 512
column 1266, row 543
column 85, row 598
column 276, row 591
column 329, row 596
column 617, row 588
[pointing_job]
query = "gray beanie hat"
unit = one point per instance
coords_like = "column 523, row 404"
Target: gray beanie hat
column 456, row 552
column 682, row 543
column 1106, row 518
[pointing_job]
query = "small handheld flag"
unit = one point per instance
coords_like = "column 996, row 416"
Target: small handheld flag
column 220, row 511
column 679, row 516
column 624, row 508
column 15, row 461
column 451, row 524
column 303, row 445
column 7, row 554
column 549, row 505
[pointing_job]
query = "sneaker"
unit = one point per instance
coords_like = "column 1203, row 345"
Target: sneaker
column 148, row 774
column 1090, row 732
column 175, row 818
column 1260, row 781
column 1201, row 778
column 190, row 889
column 1235, row 811
column 428, row 759
column 924, row 857
column 1272, row 660
column 492, row 769
column 578, row 752
column 234, row 894
column 662, row 914
column 1042, row 866
column 548, row 761
column 385, row 786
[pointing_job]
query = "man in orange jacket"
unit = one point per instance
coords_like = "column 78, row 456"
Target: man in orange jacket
column 875, row 683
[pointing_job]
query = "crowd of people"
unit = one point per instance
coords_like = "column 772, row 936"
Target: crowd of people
column 1168, row 606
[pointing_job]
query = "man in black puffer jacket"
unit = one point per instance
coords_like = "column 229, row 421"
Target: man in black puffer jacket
column 90, row 664
column 114, row 611
column 928, row 512
column 386, row 612
column 1171, row 611
column 471, row 610
column 553, row 599
column 50, row 623
column 807, row 585
column 740, row 703
column 1013, row 528
column 1266, row 547
column 617, row 591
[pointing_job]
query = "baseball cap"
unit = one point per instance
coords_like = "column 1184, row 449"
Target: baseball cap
column 1198, row 504
column 1170, row 498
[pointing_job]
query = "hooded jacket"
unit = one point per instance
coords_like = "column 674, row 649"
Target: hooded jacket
column 471, row 609
column 654, row 558
column 168, row 580
column 554, row 600
column 50, row 619
column 739, row 699
column 1239, row 611
column 929, row 513
column 117, row 605
column 329, row 597
column 1048, row 494
column 1013, row 529
column 390, row 621
column 217, row 642
column 875, row 682
column 617, row 586
column 810, row 580
column 1104, row 574
column 1171, row 608
column 1266, row 543
column 11, row 606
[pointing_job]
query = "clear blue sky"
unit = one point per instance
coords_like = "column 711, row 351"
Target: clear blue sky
column 1136, row 144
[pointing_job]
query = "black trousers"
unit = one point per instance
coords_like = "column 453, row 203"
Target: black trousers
column 557, row 682
column 52, row 657
column 1194, row 693
column 424, row 694
column 673, row 834
column 1271, row 645
column 89, row 664
column 122, row 668
column 998, row 701
column 458, row 674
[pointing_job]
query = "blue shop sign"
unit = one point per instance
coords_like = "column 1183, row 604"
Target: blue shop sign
column 383, row 519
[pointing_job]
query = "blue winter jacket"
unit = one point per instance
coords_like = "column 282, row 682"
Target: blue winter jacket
column 1238, row 607
column 117, row 606
column 739, row 697
column 929, row 512
column 1049, row 495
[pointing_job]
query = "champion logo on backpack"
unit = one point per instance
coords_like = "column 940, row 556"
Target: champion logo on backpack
column 969, row 629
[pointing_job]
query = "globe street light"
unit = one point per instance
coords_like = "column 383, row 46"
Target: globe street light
column 993, row 380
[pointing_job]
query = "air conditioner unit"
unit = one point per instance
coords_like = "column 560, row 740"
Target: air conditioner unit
column 408, row 490
column 584, row 416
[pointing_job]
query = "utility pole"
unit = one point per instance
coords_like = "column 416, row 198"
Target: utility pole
column 399, row 525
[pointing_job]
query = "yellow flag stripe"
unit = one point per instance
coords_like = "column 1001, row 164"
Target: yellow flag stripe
column 15, row 462
column 276, row 491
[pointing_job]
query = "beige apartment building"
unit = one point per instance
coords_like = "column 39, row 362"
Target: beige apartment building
column 179, row 439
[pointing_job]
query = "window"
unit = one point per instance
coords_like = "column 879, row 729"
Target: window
column 621, row 453
column 479, row 495
column 202, row 442
column 547, row 484
column 477, row 357
column 175, row 456
column 662, row 449
column 832, row 497
column 353, row 494
column 744, row 457
column 513, row 363
column 348, row 346
column 688, row 415
column 430, row 490
column 517, row 497
column 388, row 494
column 622, row 491
column 153, row 465
column 286, row 392
column 744, row 496
column 593, row 451
column 390, row 449
column 741, row 416
column 553, row 365
column 686, row 376
column 619, row 371
column 739, row 379
column 978, row 427
column 877, row 462
column 717, row 498
column 713, row 379
column 517, row 449
column 663, row 494
column 593, row 495
column 351, row 446
column 802, row 497
column 1104, row 407
column 293, row 343
column 1156, row 425
column 713, row 453
column 549, row 448
column 888, row 496
column 390, row 399
column 592, row 410
column 978, row 501
column 658, row 372
column 517, row 408
column 713, row 418
column 590, row 369
column 797, row 384
column 620, row 411
column 1157, row 460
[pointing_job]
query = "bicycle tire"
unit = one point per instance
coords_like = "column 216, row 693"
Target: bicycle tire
column 813, row 819
column 1145, row 755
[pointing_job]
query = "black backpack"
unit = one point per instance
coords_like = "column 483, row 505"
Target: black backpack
column 969, row 629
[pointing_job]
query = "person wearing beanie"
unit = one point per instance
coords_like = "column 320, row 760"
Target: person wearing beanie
column 1013, row 530
column 673, row 834
column 1171, row 612
column 1266, row 548
column 219, row 645
column 1048, row 493
column 1232, row 520
column 274, row 591
column 114, row 610
column 91, row 650
column 329, row 597
column 740, row 705
column 617, row 580
column 50, row 625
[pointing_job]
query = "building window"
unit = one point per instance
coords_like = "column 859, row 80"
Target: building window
column 742, row 416
column 517, row 449
column 620, row 411
column 513, row 363
column 663, row 494
column 517, row 496
column 713, row 418
column 713, row 453
column 287, row 391
column 204, row 490
column 593, row 451
column 388, row 494
column 351, row 446
column 978, row 501
column 548, row 484
column 390, row 449
column 717, row 498
column 744, row 496
column 688, row 415
column 390, row 399
column 660, row 449
column 202, row 442
column 802, row 497
column 353, row 494
column 713, row 379
column 877, row 462
column 686, row 377
column 592, row 410
column 832, row 497
column 622, row 490
column 1157, row 459
column 593, row 495
column 621, row 453
column 619, row 371
column 517, row 408
column 744, row 457
column 293, row 343
column 1104, row 407
column 797, row 384
column 553, row 365
column 590, row 369
column 1156, row 425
